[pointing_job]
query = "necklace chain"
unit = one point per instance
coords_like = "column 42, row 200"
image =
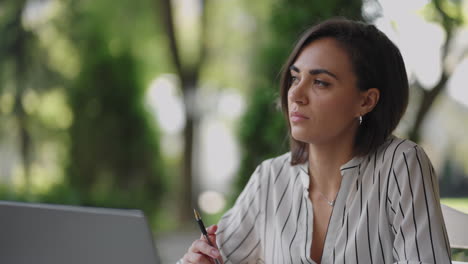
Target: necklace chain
column 330, row 203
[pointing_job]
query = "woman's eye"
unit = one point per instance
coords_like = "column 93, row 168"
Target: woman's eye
column 294, row 79
column 321, row 83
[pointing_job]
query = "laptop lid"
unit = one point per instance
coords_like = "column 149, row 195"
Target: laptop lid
column 58, row 234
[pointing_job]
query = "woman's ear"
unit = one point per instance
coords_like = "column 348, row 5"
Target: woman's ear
column 370, row 98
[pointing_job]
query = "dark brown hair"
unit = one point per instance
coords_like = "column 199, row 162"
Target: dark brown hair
column 377, row 63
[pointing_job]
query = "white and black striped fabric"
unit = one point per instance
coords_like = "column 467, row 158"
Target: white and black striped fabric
column 387, row 211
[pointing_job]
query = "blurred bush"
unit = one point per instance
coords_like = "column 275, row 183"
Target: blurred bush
column 98, row 58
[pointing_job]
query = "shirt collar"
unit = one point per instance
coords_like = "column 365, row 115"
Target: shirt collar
column 349, row 166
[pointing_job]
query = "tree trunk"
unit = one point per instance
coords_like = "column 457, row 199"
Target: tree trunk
column 19, row 51
column 448, row 24
column 426, row 103
column 189, row 76
column 188, row 201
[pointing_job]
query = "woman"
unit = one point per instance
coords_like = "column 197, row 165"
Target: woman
column 348, row 191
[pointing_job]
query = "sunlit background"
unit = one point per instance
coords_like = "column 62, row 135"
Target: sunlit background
column 119, row 104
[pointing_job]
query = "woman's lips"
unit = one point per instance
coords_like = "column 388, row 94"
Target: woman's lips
column 297, row 117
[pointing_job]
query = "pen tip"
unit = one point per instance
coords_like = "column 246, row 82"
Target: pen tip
column 197, row 216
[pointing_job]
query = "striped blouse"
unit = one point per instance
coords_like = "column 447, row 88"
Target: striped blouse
column 387, row 210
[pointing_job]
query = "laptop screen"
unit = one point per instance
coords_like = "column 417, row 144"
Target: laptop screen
column 58, row 234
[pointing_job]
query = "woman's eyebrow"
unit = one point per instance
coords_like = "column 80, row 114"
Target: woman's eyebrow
column 319, row 71
column 314, row 71
column 294, row 68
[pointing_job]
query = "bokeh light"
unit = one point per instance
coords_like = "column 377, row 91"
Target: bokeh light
column 211, row 202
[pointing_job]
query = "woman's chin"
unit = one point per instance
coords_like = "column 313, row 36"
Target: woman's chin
column 301, row 137
column 309, row 138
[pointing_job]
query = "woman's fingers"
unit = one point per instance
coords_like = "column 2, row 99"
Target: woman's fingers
column 201, row 252
column 192, row 257
column 211, row 234
column 213, row 240
column 212, row 229
column 201, row 246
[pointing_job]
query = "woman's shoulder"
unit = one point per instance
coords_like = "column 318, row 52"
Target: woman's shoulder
column 277, row 164
column 283, row 160
column 394, row 146
column 278, row 159
column 394, row 149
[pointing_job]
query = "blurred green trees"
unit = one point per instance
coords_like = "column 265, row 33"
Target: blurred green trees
column 114, row 149
column 114, row 152
column 449, row 15
column 100, row 55
column 24, row 73
column 188, row 72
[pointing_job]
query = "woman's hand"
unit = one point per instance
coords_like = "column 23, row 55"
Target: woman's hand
column 201, row 252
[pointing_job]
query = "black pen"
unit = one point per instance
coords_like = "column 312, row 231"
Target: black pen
column 203, row 230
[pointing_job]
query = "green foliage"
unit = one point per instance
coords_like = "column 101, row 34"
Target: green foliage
column 461, row 203
column 23, row 62
column 114, row 159
column 452, row 182
column 24, row 76
column 263, row 131
column 100, row 55
column 57, row 194
column 459, row 254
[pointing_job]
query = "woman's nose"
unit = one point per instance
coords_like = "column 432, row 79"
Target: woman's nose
column 297, row 95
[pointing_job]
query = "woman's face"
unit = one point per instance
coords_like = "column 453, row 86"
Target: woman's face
column 324, row 101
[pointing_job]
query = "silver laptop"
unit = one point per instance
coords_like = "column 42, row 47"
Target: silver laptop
column 57, row 234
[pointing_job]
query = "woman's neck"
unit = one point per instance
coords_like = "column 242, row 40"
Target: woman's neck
column 325, row 161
